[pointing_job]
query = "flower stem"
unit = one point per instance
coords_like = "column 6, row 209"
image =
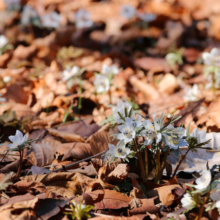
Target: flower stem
column 199, row 216
column 20, row 164
column 157, row 174
column 213, row 84
column 163, row 163
column 80, row 95
column 181, row 160
column 110, row 95
column 146, row 163
column 140, row 159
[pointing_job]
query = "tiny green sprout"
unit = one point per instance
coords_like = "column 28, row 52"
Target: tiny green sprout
column 79, row 210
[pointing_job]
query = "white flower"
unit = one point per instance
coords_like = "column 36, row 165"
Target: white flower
column 119, row 151
column 176, row 216
column 173, row 137
column 28, row 14
column 201, row 137
column 82, row 19
column 191, row 94
column 121, row 106
column 2, row 99
column 101, row 83
column 212, row 58
column 127, row 11
column 147, row 17
column 69, row 73
column 188, row 202
column 136, row 123
column 203, row 181
column 3, row 41
column 79, row 206
column 17, row 139
column 171, row 59
column 215, row 194
column 106, row 70
column 12, row 4
column 151, row 132
column 127, row 132
column 51, row 20
column 217, row 204
column 216, row 84
column 6, row 79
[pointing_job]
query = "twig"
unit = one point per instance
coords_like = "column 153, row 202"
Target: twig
column 72, row 164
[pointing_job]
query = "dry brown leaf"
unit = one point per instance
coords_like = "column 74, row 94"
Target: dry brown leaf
column 149, row 91
column 118, row 174
column 166, row 194
column 168, row 84
column 68, row 137
column 147, row 206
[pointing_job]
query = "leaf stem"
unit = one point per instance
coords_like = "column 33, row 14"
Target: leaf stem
column 140, row 159
column 146, row 164
column 202, row 208
column 163, row 163
column 157, row 174
column 20, row 163
column 181, row 160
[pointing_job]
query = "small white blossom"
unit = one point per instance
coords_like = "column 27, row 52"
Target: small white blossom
column 51, row 20
column 2, row 99
column 121, row 106
column 173, row 138
column 151, row 132
column 101, row 83
column 135, row 123
column 215, row 195
column 79, row 206
column 176, row 216
column 147, row 17
column 119, row 151
column 188, row 202
column 17, row 139
column 191, row 94
column 106, row 70
column 212, row 58
column 82, row 19
column 216, row 83
column 28, row 14
column 201, row 137
column 70, row 72
column 6, row 79
column 3, row 41
column 12, row 4
column 127, row 132
column 171, row 59
column 203, row 181
column 128, row 11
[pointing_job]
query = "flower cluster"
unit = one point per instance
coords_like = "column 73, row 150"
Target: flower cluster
column 51, row 20
column 192, row 93
column 103, row 80
column 128, row 11
column 82, row 19
column 12, row 5
column 212, row 70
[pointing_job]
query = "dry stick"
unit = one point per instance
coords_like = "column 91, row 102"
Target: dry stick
column 20, row 163
column 72, row 164
column 181, row 160
column 140, row 159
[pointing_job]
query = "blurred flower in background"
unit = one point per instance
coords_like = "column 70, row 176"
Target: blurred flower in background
column 51, row 20
column 128, row 11
column 101, row 83
column 192, row 93
column 147, row 17
column 12, row 5
column 82, row 19
column 29, row 16
column 3, row 41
